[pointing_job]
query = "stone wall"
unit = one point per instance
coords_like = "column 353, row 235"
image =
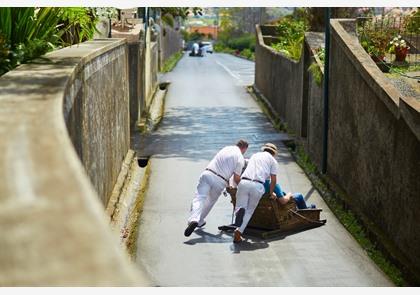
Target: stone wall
column 170, row 43
column 55, row 230
column 135, row 62
column 136, row 59
column 373, row 136
column 312, row 106
column 290, row 89
column 373, row 146
column 143, row 67
column 151, row 68
column 279, row 80
column 96, row 112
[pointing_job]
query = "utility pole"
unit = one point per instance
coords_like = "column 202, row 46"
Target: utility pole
column 145, row 17
column 326, row 86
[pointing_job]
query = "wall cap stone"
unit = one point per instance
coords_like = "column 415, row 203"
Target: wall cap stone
column 132, row 36
column 312, row 41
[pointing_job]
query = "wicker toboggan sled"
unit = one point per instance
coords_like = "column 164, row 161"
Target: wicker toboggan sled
column 271, row 219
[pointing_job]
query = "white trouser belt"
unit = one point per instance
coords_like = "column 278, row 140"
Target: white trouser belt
column 254, row 180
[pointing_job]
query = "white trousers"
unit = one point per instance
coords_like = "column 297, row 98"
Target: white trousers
column 209, row 189
column 248, row 195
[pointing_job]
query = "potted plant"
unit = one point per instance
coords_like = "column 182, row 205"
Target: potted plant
column 375, row 43
column 399, row 47
column 374, row 37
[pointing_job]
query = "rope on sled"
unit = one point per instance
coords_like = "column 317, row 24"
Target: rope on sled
column 305, row 218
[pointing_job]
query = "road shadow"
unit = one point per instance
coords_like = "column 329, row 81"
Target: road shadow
column 200, row 132
column 249, row 243
column 282, row 236
column 206, row 237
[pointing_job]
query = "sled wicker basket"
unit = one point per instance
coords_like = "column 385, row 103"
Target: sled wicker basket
column 271, row 216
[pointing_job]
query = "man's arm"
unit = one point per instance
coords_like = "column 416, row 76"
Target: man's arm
column 238, row 170
column 273, row 181
column 236, row 178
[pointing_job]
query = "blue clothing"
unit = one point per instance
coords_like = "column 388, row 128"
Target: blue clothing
column 300, row 201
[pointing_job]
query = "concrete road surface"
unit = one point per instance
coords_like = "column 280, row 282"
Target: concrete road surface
column 207, row 107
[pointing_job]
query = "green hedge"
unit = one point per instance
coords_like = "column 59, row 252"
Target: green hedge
column 246, row 41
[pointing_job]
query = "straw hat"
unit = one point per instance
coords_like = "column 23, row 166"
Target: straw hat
column 271, row 147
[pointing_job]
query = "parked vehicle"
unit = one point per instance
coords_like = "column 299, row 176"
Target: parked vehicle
column 208, row 46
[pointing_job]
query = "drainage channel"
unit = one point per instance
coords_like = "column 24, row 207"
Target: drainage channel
column 164, row 85
column 143, row 161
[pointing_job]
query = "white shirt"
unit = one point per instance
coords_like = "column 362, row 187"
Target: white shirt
column 227, row 161
column 260, row 166
column 232, row 182
column 195, row 48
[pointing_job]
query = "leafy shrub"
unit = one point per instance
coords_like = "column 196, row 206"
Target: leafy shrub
column 314, row 68
column 320, row 52
column 292, row 49
column 374, row 36
column 289, row 29
column 18, row 25
column 316, row 73
column 246, row 41
column 412, row 22
column 81, row 23
column 4, row 55
column 220, row 47
column 29, row 32
column 247, row 53
column 168, row 19
column 291, row 34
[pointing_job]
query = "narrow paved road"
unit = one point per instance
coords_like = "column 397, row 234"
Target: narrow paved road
column 207, row 107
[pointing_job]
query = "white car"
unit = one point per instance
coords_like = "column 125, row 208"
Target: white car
column 208, row 46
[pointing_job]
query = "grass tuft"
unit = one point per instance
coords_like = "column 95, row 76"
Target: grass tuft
column 134, row 217
column 171, row 62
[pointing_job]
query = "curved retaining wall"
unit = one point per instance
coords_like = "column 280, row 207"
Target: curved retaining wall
column 53, row 225
column 96, row 111
column 135, row 40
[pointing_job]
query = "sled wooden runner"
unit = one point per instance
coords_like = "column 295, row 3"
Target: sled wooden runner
column 271, row 219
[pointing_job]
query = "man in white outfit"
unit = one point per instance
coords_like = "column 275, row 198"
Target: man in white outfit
column 261, row 166
column 227, row 162
column 195, row 48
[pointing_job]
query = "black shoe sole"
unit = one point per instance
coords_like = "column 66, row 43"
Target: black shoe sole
column 239, row 217
column 200, row 226
column 190, row 228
